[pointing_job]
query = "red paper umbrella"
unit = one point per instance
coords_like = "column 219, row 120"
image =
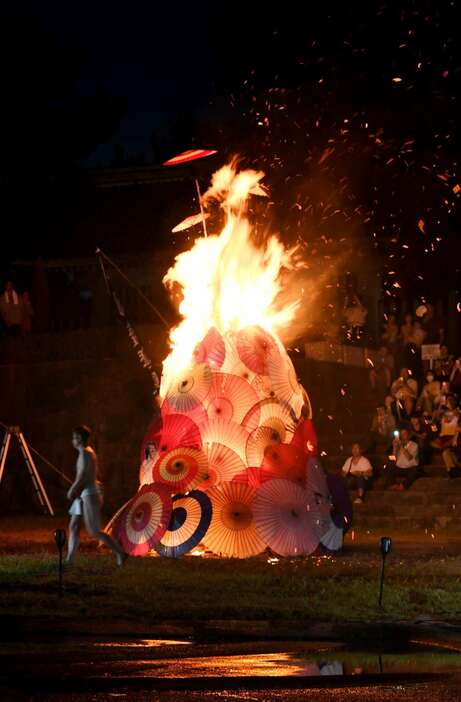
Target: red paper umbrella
column 283, row 379
column 230, row 398
column 285, row 461
column 223, row 465
column 231, row 434
column 191, row 155
column 171, row 431
column 258, row 441
column 190, row 222
column 254, row 345
column 282, row 519
column 254, row 477
column 211, row 349
column 274, row 414
column 181, row 469
column 143, row 521
column 189, row 388
column 305, row 437
column 232, row 531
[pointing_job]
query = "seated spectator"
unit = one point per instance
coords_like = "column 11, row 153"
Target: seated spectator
column 381, row 373
column 357, row 470
column 11, row 309
column 420, row 434
column 431, row 395
column 382, row 429
column 404, row 390
column 448, row 425
column 455, row 378
column 404, row 471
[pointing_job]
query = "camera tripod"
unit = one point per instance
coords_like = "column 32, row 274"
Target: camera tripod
column 31, row 467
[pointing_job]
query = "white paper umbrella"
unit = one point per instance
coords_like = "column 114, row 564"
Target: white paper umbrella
column 254, row 346
column 229, row 398
column 283, row 380
column 232, row 531
column 258, row 441
column 231, row 434
column 211, row 349
column 189, row 522
column 189, row 388
column 274, row 414
column 282, row 519
column 223, row 465
column 333, row 539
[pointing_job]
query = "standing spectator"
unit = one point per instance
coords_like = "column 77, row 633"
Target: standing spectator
column 455, row 378
column 405, row 391
column 406, row 330
column 27, row 314
column 357, row 470
column 431, row 395
column 382, row 429
column 390, row 336
column 403, row 473
column 381, row 373
column 355, row 314
column 11, row 309
column 434, row 329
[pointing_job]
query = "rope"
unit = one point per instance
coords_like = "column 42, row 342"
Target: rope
column 56, row 470
column 140, row 292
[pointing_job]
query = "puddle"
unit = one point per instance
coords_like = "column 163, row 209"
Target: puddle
column 141, row 643
column 336, row 663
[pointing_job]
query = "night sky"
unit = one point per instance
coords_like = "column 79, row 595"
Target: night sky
column 352, row 110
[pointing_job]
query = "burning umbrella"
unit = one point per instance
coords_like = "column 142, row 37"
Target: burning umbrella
column 211, row 349
column 181, row 468
column 189, row 222
column 254, row 346
column 223, row 465
column 143, row 520
column 258, row 441
column 282, row 519
column 232, row 531
column 189, row 388
column 189, row 522
column 230, row 434
column 170, row 431
column 229, row 398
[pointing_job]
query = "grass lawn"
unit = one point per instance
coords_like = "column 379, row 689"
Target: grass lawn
column 423, row 578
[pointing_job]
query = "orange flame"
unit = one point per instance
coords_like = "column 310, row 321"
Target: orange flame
column 227, row 280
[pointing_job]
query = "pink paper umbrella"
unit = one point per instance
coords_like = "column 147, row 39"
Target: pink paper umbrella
column 230, row 434
column 271, row 413
column 144, row 520
column 284, row 383
column 282, row 519
column 211, row 349
column 285, row 461
column 229, row 398
column 254, row 346
column 223, row 465
column 258, row 441
column 171, row 431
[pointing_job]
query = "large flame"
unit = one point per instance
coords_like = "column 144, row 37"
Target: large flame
column 227, row 280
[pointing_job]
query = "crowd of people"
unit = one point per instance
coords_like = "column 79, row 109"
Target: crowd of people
column 417, row 414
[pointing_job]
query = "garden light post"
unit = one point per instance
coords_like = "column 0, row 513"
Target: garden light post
column 385, row 546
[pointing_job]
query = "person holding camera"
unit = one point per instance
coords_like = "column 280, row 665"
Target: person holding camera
column 404, row 471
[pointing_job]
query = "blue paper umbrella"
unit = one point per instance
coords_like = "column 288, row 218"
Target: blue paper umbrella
column 188, row 525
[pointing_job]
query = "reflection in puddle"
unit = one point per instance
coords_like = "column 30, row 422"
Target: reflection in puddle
column 141, row 643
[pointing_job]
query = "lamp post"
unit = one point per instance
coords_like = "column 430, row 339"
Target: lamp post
column 385, row 547
column 60, row 540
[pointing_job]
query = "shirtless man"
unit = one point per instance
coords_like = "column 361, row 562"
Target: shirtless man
column 86, row 495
